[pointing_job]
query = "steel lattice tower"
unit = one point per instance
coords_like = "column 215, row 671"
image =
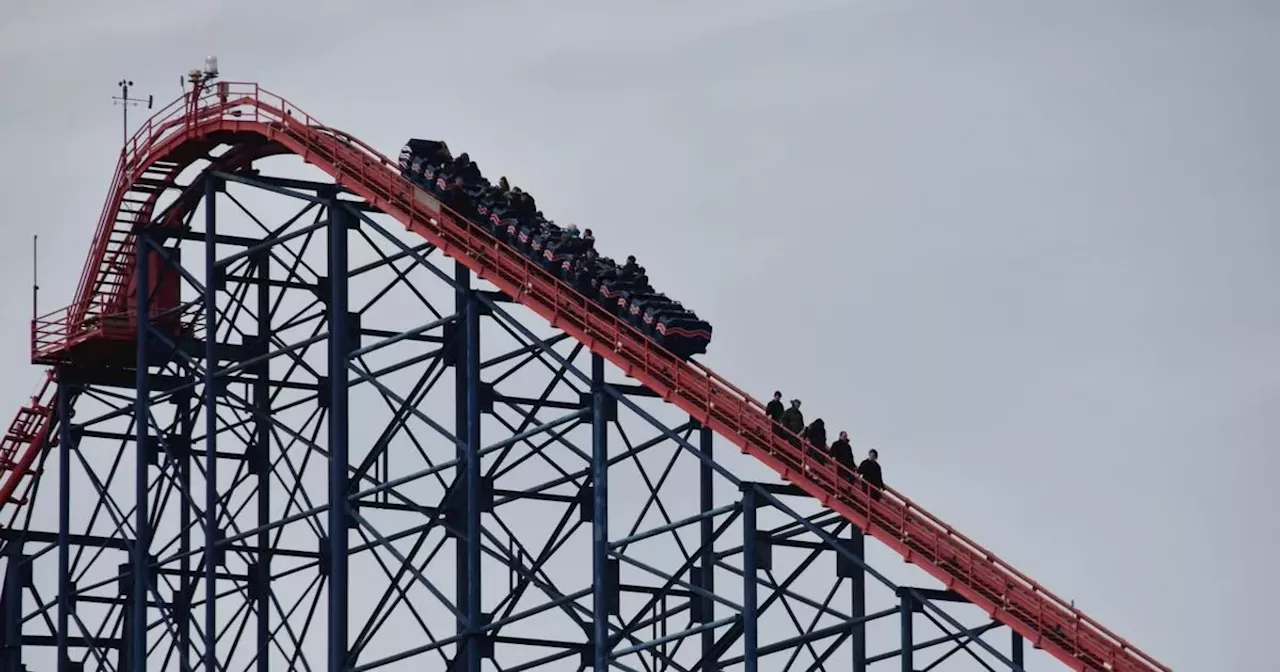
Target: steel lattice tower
column 332, row 447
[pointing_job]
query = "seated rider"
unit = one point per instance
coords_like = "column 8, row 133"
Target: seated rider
column 631, row 271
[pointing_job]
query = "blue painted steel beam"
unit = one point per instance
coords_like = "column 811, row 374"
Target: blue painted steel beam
column 750, row 639
column 858, row 599
column 140, row 572
column 276, row 241
column 600, row 517
column 11, row 601
column 815, row 635
column 907, row 614
column 339, row 456
column 261, row 463
column 64, row 519
column 930, row 643
column 469, row 403
column 461, row 386
column 211, row 186
column 186, row 583
column 707, row 562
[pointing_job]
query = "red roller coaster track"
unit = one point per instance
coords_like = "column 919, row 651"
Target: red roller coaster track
column 243, row 114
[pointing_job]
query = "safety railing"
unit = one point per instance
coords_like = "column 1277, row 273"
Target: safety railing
column 53, row 335
column 891, row 517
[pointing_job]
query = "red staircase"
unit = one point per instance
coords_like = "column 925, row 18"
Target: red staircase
column 22, row 445
column 920, row 537
column 136, row 206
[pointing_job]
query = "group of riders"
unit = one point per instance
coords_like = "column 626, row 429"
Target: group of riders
column 815, row 436
column 512, row 216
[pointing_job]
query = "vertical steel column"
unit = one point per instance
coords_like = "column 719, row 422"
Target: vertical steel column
column 1017, row 654
column 750, row 608
column 706, row 496
column 185, row 583
column 211, row 281
column 462, row 425
column 469, row 401
column 142, row 434
column 907, row 615
column 261, row 461
column 339, row 459
column 11, row 605
column 858, row 611
column 599, row 516
column 474, row 531
column 64, row 518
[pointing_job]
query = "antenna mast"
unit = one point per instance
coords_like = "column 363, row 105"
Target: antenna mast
column 125, row 102
column 35, row 276
column 198, row 79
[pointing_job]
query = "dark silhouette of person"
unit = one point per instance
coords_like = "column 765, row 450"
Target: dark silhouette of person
column 816, row 436
column 793, row 419
column 793, row 422
column 630, row 269
column 869, row 470
column 842, row 453
column 774, row 408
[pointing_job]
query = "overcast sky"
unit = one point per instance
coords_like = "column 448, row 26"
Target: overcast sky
column 1027, row 250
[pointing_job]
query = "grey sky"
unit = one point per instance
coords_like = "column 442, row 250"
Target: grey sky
column 1027, row 250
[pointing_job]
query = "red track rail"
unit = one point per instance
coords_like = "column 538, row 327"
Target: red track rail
column 920, row 537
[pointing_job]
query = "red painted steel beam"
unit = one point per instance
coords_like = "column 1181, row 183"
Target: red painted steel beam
column 920, row 537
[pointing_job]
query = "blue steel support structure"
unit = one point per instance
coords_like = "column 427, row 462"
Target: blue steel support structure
column 140, row 569
column 259, row 456
column 858, row 601
column 339, row 457
column 750, row 571
column 601, row 587
column 208, row 301
column 313, row 347
column 180, row 444
column 469, row 389
column 706, row 539
column 65, row 443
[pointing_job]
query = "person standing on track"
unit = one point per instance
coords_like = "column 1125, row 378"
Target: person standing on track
column 774, row 408
column 816, row 436
column 793, row 419
column 793, row 422
column 842, row 453
column 869, row 470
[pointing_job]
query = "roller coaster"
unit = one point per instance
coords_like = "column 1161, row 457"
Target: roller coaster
column 265, row 441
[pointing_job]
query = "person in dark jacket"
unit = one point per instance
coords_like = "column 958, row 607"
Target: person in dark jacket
column 869, row 470
column 842, row 453
column 816, row 436
column 774, row 408
column 630, row 268
column 816, row 433
column 793, row 422
column 793, row 419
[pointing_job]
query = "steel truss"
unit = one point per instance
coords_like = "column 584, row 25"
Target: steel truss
column 496, row 487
